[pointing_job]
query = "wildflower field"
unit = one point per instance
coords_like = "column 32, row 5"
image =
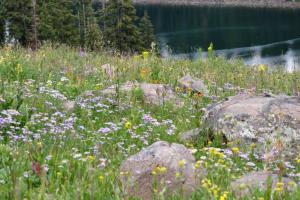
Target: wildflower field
column 60, row 140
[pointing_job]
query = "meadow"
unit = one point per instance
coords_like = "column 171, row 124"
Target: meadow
column 51, row 151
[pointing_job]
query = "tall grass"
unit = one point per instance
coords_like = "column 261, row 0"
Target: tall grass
column 49, row 152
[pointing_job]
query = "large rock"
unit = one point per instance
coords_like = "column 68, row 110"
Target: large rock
column 261, row 180
column 160, row 155
column 155, row 94
column 190, row 136
column 195, row 84
column 272, row 121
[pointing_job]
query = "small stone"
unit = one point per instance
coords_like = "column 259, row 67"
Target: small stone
column 260, row 180
column 195, row 84
column 69, row 105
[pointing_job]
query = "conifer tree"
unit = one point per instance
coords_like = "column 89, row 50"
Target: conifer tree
column 57, row 22
column 71, row 22
column 93, row 37
column 146, row 32
column 121, row 33
column 2, row 23
column 90, row 34
column 18, row 16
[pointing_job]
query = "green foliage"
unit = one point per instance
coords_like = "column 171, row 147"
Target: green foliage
column 120, row 31
column 75, row 23
column 89, row 30
column 93, row 37
column 57, row 22
column 18, row 13
column 146, row 32
column 2, row 22
column 70, row 22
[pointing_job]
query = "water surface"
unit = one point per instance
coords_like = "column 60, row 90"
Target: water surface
column 257, row 35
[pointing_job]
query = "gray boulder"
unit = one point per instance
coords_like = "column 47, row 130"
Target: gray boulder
column 195, row 84
column 260, row 180
column 272, row 122
column 69, row 105
column 190, row 135
column 155, row 94
column 160, row 162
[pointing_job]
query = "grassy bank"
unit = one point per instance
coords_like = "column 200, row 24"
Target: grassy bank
column 50, row 152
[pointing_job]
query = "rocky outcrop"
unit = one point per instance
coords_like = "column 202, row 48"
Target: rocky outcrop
column 155, row 94
column 190, row 136
column 273, row 122
column 168, row 166
column 260, row 180
column 194, row 84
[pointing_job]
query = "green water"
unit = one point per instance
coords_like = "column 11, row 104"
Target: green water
column 269, row 36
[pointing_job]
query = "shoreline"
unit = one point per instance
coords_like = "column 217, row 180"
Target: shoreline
column 281, row 4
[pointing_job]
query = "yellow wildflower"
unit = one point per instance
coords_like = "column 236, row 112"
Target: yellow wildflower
column 19, row 69
column 211, row 47
column 262, row 68
column 39, row 144
column 161, row 170
column 136, row 57
column 181, row 163
column 146, row 54
column 235, row 149
column 177, row 174
column 198, row 164
column 178, row 89
column 128, row 125
column 91, row 158
column 101, row 178
column 253, row 145
column 280, row 184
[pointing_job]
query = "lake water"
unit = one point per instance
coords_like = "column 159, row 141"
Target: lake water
column 259, row 36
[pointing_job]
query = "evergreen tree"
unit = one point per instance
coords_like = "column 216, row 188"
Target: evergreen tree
column 90, row 34
column 18, row 16
column 146, row 32
column 2, row 22
column 34, row 38
column 121, row 33
column 57, row 21
column 71, row 22
column 93, row 37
